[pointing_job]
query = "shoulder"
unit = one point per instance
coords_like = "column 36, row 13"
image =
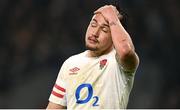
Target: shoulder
column 75, row 58
column 69, row 62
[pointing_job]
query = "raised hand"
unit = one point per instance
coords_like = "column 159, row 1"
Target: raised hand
column 110, row 13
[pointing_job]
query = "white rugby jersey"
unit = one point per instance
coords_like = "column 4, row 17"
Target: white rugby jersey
column 92, row 83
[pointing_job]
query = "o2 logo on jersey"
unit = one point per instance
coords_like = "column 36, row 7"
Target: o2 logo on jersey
column 89, row 96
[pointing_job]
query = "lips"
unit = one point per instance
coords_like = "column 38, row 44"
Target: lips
column 92, row 39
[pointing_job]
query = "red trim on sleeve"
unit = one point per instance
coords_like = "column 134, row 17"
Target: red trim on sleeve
column 59, row 88
column 57, row 94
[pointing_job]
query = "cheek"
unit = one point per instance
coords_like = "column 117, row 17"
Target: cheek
column 87, row 33
column 106, row 38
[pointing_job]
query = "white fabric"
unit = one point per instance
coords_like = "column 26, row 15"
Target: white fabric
column 111, row 85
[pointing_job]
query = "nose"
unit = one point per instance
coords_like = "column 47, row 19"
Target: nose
column 96, row 32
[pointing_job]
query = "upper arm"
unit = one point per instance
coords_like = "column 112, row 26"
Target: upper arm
column 52, row 105
column 57, row 97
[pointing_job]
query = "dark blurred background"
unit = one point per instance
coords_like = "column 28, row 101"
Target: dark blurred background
column 37, row 36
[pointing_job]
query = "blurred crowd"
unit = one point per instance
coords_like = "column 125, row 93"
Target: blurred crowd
column 37, row 36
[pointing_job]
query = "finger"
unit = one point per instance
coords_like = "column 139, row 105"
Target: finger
column 98, row 10
column 120, row 16
column 102, row 8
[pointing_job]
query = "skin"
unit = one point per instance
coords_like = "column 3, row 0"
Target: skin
column 122, row 42
column 98, row 36
column 104, row 32
column 55, row 106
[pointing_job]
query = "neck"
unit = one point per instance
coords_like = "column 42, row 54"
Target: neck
column 97, row 53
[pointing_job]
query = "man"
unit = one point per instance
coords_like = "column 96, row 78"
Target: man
column 102, row 76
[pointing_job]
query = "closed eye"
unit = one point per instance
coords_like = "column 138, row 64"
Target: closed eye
column 94, row 24
column 105, row 29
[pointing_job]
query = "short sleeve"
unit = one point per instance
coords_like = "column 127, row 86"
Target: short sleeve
column 127, row 75
column 58, row 94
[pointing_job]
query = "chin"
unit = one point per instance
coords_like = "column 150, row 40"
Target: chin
column 92, row 48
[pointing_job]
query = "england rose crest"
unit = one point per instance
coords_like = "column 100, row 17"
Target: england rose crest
column 102, row 63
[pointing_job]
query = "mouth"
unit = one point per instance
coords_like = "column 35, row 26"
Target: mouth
column 92, row 39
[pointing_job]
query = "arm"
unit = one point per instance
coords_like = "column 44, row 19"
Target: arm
column 126, row 54
column 124, row 47
column 55, row 106
column 57, row 99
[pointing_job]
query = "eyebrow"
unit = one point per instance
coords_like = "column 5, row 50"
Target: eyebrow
column 102, row 24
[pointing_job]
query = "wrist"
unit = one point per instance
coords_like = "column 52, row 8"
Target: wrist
column 114, row 23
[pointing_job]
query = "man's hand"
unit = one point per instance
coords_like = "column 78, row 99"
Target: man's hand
column 110, row 13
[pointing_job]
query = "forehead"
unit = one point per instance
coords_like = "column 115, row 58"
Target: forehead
column 99, row 18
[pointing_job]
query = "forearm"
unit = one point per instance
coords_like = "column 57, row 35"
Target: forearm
column 55, row 106
column 123, row 45
column 121, row 39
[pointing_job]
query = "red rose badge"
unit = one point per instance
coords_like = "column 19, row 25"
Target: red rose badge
column 103, row 63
